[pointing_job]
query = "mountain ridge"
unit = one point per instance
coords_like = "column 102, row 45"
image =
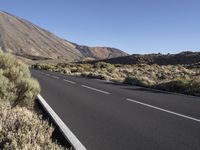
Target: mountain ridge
column 25, row 39
column 182, row 58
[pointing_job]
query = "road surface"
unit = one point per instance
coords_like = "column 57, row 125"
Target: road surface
column 107, row 116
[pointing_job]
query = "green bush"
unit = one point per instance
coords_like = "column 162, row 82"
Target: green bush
column 21, row 128
column 6, row 88
column 97, row 76
column 102, row 65
column 44, row 66
column 190, row 86
column 175, row 85
column 16, row 84
column 140, row 81
column 86, row 67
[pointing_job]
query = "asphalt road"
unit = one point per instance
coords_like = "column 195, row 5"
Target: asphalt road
column 107, row 116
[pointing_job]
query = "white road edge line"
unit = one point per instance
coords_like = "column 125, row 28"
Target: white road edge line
column 164, row 110
column 72, row 82
column 54, row 77
column 104, row 92
column 65, row 130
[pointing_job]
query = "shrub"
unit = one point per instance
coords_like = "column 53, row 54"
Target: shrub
column 102, row 65
column 86, row 67
column 36, row 66
column 65, row 70
column 194, row 86
column 44, row 66
column 21, row 128
column 175, row 85
column 16, row 84
column 63, row 65
column 140, row 81
column 97, row 76
column 188, row 86
column 6, row 88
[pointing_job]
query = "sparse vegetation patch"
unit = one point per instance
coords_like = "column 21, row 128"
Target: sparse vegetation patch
column 175, row 78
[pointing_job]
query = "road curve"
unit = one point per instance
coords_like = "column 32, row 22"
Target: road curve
column 108, row 116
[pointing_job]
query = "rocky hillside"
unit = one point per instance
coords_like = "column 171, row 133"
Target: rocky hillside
column 24, row 39
column 169, row 59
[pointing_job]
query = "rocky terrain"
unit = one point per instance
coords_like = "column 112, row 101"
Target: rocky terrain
column 24, row 39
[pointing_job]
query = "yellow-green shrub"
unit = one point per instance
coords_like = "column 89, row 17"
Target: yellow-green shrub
column 16, row 84
column 140, row 81
column 187, row 86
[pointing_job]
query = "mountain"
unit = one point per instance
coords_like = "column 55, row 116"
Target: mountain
column 186, row 57
column 24, row 39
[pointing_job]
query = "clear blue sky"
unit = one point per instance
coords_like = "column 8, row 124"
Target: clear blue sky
column 135, row 26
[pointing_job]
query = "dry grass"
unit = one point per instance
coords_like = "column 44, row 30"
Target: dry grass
column 176, row 78
column 23, row 129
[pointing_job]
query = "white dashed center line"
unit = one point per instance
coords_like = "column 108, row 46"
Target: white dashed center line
column 101, row 91
column 55, row 77
column 72, row 82
column 164, row 110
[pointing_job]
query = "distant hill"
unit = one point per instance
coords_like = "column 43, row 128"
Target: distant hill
column 169, row 59
column 24, row 39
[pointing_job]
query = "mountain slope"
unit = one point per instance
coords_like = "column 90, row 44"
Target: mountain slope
column 25, row 39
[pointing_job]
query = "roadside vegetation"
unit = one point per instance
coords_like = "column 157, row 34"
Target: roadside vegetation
column 20, row 126
column 176, row 78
